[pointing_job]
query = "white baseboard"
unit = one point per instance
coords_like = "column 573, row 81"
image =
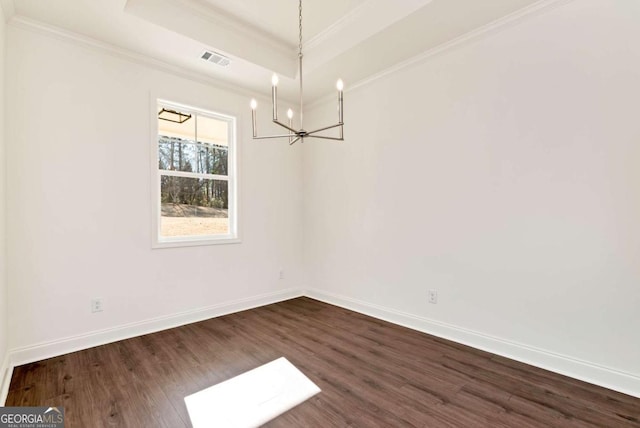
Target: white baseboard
column 6, row 370
column 598, row 375
column 44, row 350
column 616, row 380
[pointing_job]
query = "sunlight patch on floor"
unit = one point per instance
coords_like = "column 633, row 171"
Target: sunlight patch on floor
column 252, row 398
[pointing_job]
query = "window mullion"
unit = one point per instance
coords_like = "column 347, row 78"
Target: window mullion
column 185, row 174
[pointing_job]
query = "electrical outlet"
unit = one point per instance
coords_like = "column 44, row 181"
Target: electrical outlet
column 433, row 296
column 281, row 273
column 97, row 305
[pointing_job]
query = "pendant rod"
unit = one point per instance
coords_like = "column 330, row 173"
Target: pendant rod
column 300, row 63
column 301, row 98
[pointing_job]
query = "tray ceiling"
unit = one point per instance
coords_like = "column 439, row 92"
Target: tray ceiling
column 348, row 39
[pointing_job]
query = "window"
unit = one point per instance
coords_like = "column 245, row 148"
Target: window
column 195, row 188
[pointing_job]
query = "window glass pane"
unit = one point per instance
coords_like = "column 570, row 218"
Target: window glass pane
column 213, row 131
column 176, row 155
column 212, row 159
column 213, row 147
column 196, row 146
column 176, row 141
column 193, row 206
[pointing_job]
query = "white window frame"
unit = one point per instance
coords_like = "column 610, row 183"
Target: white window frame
column 156, row 173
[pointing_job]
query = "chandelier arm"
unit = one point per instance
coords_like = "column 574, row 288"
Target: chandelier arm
column 285, row 126
column 325, row 128
column 325, row 138
column 264, row 137
column 294, row 141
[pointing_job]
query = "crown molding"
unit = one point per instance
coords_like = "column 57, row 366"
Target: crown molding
column 337, row 27
column 361, row 23
column 499, row 25
column 357, row 15
column 494, row 27
column 219, row 30
column 132, row 56
column 222, row 18
column 8, row 8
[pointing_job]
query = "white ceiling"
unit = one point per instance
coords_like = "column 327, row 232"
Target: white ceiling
column 280, row 17
column 348, row 39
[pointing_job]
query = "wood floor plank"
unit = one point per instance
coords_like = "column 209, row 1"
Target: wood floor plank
column 372, row 374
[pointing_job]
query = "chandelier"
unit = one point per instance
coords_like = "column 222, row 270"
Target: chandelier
column 300, row 134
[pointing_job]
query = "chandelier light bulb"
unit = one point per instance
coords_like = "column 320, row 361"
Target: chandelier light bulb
column 340, row 85
column 274, row 79
column 290, row 114
column 254, row 104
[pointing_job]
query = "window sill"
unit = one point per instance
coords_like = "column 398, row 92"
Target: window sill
column 194, row 242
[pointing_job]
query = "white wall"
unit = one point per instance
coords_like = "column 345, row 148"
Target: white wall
column 3, row 269
column 79, row 205
column 502, row 173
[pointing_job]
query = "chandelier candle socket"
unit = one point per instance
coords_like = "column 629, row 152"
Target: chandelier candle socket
column 274, row 96
column 300, row 134
column 290, row 116
column 340, row 87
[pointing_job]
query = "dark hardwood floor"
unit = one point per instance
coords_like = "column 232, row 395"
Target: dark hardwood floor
column 372, row 374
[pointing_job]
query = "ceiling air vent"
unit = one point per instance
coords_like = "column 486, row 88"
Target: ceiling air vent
column 216, row 58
